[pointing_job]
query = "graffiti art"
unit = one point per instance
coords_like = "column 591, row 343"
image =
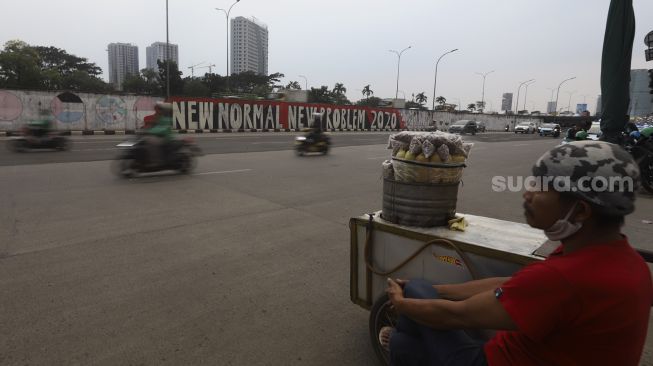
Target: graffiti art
column 111, row 110
column 67, row 107
column 10, row 106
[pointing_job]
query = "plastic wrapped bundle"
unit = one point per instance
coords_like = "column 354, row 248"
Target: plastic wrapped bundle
column 409, row 171
column 388, row 171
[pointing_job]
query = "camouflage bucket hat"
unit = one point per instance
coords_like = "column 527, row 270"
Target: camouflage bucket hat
column 599, row 172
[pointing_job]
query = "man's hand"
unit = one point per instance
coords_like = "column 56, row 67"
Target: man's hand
column 395, row 292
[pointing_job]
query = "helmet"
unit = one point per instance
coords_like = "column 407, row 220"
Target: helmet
column 635, row 134
column 581, row 135
column 598, row 172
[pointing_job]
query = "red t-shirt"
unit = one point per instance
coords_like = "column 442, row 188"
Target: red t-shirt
column 589, row 307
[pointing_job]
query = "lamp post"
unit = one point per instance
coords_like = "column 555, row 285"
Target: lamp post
column 435, row 80
column 558, row 94
column 518, row 89
column 398, row 62
column 167, row 56
column 305, row 81
column 569, row 104
column 526, row 92
column 226, row 13
column 483, row 92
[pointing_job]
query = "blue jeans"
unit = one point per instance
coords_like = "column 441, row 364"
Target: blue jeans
column 414, row 344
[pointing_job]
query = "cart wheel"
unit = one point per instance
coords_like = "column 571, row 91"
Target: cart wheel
column 381, row 315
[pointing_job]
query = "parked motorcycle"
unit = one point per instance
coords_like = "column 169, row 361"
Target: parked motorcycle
column 641, row 148
column 178, row 154
column 50, row 141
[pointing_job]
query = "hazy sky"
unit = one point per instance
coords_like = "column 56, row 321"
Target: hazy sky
column 348, row 41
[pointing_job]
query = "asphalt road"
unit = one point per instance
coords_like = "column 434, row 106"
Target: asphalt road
column 94, row 148
column 246, row 262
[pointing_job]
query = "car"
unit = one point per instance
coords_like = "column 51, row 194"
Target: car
column 550, row 129
column 525, row 127
column 464, row 126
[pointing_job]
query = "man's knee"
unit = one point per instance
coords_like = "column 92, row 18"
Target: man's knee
column 420, row 289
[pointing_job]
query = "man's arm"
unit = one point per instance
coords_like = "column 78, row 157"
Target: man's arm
column 462, row 291
column 481, row 311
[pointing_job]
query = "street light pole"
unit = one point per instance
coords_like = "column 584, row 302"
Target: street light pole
column 526, row 92
column 305, row 81
column 226, row 13
column 558, row 95
column 518, row 89
column 435, row 80
column 483, row 92
column 167, row 56
column 569, row 104
column 398, row 62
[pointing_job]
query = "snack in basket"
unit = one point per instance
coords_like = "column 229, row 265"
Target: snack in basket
column 431, row 157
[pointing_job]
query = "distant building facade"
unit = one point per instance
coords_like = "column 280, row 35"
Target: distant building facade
column 506, row 102
column 157, row 51
column 249, row 46
column 123, row 61
column 551, row 107
column 599, row 106
column 641, row 101
column 580, row 108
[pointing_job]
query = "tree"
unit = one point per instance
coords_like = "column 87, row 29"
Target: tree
column 176, row 83
column 421, row 98
column 369, row 102
column 367, row 91
column 195, row 88
column 441, row 100
column 65, row 63
column 338, row 94
column 79, row 80
column 134, row 84
column 19, row 66
column 294, row 85
column 471, row 107
column 321, row 95
column 480, row 105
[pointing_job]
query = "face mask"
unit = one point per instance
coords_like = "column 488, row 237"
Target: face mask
column 563, row 228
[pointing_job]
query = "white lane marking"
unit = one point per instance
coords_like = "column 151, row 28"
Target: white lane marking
column 522, row 145
column 224, row 172
column 97, row 142
column 270, row 142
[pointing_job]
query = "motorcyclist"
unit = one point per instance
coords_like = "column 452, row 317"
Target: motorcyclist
column 315, row 133
column 158, row 133
column 38, row 128
column 571, row 133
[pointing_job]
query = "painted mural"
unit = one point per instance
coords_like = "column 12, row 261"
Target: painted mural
column 68, row 108
column 10, row 106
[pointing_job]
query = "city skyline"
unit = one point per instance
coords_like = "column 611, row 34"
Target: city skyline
column 348, row 42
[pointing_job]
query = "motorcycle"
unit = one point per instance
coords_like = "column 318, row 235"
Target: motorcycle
column 178, row 154
column 641, row 148
column 306, row 144
column 26, row 141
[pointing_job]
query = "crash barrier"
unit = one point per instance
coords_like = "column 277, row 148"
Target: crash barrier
column 90, row 113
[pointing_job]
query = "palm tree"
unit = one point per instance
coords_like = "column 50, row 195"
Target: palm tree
column 367, row 91
column 441, row 100
column 339, row 88
column 421, row 98
column 294, row 85
column 471, row 107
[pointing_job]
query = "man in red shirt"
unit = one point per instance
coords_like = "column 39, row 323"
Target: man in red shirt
column 587, row 304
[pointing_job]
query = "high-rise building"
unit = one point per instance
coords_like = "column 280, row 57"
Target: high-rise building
column 506, row 102
column 550, row 107
column 249, row 46
column 641, row 101
column 123, row 61
column 157, row 52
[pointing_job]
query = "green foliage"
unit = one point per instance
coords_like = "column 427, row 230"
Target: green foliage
column 195, row 88
column 369, row 102
column 176, row 83
column 471, row 107
column 321, row 95
column 294, row 85
column 47, row 68
column 421, row 98
column 367, row 92
column 441, row 100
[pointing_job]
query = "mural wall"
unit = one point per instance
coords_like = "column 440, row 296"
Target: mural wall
column 83, row 111
column 71, row 111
